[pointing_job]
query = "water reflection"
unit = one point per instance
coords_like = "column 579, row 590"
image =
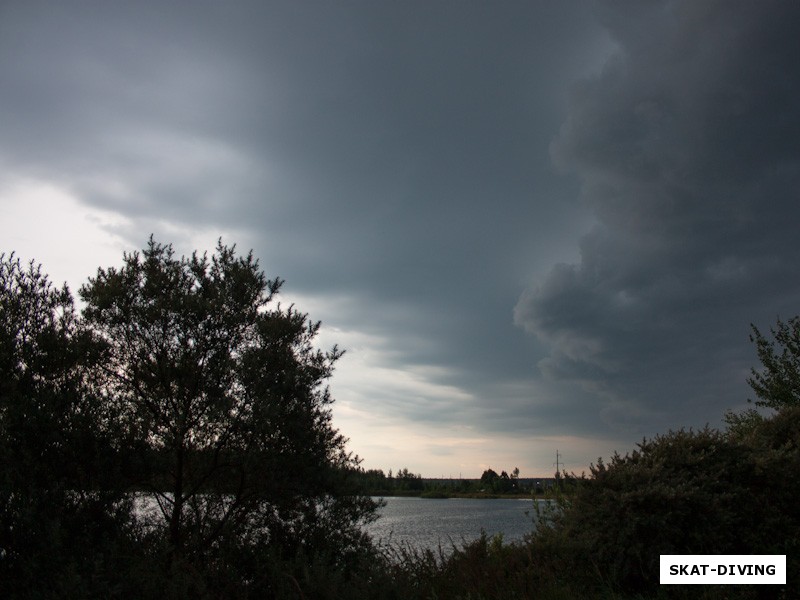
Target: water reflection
column 424, row 523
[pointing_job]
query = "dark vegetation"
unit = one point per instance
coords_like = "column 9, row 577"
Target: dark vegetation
column 180, row 387
column 181, row 384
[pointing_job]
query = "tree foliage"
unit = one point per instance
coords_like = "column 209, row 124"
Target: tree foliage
column 173, row 440
column 60, row 505
column 501, row 484
column 226, row 393
column 686, row 492
column 697, row 492
column 777, row 383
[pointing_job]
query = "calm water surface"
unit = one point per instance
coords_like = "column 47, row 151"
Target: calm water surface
column 426, row 523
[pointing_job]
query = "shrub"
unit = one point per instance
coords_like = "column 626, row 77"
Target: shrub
column 685, row 492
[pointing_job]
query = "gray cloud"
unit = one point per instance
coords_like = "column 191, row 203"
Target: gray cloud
column 393, row 153
column 393, row 162
column 687, row 146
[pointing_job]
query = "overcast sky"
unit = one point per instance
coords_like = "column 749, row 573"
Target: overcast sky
column 534, row 226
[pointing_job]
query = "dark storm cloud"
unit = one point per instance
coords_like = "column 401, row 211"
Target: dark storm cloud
column 393, row 162
column 116, row 103
column 688, row 146
column 391, row 153
column 416, row 131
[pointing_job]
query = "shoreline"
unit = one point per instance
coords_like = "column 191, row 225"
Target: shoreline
column 455, row 495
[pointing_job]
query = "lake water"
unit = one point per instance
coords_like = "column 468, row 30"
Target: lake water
column 426, row 523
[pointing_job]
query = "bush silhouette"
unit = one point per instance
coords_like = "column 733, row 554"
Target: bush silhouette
column 687, row 492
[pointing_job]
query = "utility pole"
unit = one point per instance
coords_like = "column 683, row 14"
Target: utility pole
column 558, row 470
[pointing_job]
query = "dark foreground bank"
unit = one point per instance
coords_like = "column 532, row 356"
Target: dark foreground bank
column 700, row 492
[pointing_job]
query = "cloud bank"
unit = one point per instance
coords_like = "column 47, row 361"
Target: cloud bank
column 688, row 149
column 527, row 222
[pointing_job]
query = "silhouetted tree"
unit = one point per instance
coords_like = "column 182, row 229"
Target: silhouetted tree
column 777, row 384
column 227, row 392
column 405, row 480
column 61, row 508
column 489, row 477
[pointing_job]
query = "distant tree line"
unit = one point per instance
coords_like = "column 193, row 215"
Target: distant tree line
column 375, row 482
column 502, row 483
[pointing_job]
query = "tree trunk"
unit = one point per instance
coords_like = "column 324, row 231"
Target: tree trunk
column 175, row 538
